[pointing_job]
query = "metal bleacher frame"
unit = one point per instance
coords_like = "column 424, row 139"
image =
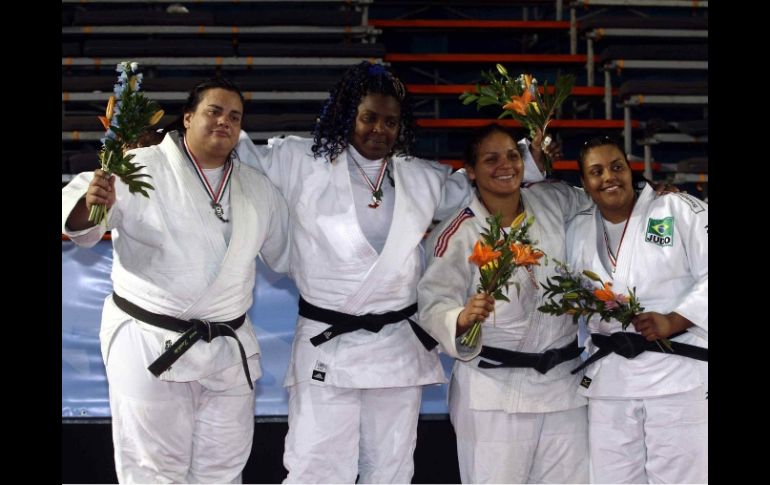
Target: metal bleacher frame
column 84, row 100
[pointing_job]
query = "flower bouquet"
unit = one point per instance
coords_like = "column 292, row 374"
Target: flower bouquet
column 497, row 255
column 127, row 117
column 581, row 297
column 521, row 99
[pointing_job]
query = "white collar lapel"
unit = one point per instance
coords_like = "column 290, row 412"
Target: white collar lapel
column 631, row 237
column 351, row 229
column 411, row 218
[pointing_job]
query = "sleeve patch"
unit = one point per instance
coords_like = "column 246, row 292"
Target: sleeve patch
column 693, row 203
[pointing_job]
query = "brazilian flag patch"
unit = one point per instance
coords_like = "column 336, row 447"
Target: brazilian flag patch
column 660, row 231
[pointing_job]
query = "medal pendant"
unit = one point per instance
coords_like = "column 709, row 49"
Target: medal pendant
column 376, row 199
column 218, row 211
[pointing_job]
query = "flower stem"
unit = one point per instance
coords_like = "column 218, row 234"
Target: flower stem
column 471, row 337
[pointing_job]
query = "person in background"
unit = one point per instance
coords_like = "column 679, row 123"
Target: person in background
column 180, row 351
column 647, row 403
column 513, row 402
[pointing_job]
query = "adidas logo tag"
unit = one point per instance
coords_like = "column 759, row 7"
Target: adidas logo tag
column 318, row 375
column 327, row 334
column 585, row 382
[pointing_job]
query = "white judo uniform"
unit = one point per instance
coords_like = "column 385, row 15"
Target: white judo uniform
column 372, row 381
column 173, row 256
column 649, row 415
column 513, row 425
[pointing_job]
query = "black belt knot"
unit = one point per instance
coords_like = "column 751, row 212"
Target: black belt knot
column 373, row 322
column 192, row 331
column 203, row 327
column 630, row 344
column 541, row 362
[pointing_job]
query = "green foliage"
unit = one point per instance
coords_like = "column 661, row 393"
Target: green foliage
column 520, row 98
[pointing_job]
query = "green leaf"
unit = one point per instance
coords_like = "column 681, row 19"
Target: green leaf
column 485, row 101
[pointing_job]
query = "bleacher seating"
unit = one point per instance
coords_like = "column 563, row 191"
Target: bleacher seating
column 286, row 55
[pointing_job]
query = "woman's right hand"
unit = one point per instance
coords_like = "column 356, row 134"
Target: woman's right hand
column 477, row 309
column 101, row 190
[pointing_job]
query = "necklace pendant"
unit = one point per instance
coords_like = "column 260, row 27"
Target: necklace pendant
column 376, row 199
column 219, row 212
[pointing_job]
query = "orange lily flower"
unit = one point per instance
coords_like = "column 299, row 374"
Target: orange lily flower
column 605, row 294
column 105, row 122
column 523, row 254
column 156, row 117
column 519, row 103
column 110, row 108
column 483, row 254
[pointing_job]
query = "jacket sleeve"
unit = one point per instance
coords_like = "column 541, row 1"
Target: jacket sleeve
column 71, row 194
column 275, row 249
column 444, row 288
column 532, row 172
column 273, row 159
column 456, row 192
column 692, row 222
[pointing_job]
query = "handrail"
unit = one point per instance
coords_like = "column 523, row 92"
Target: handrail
column 491, row 58
column 461, row 88
column 473, row 24
column 245, row 61
column 272, row 95
column 557, row 165
column 476, row 123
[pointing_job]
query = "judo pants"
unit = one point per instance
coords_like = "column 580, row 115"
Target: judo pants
column 501, row 447
column 173, row 432
column 336, row 434
column 655, row 440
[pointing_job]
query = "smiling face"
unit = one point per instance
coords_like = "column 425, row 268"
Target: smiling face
column 606, row 177
column 212, row 129
column 499, row 168
column 378, row 121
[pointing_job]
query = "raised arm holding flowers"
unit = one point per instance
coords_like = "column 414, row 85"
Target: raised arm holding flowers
column 521, row 99
column 127, row 116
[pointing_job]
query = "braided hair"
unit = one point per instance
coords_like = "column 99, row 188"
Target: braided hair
column 336, row 123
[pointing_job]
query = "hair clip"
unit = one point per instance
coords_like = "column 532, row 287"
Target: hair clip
column 376, row 70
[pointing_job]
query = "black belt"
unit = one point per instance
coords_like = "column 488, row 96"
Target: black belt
column 629, row 345
column 191, row 331
column 540, row 362
column 373, row 322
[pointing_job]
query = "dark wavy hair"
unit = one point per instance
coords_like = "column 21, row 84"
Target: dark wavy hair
column 335, row 125
column 481, row 134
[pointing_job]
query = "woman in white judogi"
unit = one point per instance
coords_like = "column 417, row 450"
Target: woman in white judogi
column 177, row 258
column 522, row 421
column 648, row 413
column 359, row 209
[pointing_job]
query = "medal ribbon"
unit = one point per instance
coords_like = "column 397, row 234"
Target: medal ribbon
column 215, row 197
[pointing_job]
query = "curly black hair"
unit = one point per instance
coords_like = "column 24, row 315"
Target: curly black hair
column 335, row 125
